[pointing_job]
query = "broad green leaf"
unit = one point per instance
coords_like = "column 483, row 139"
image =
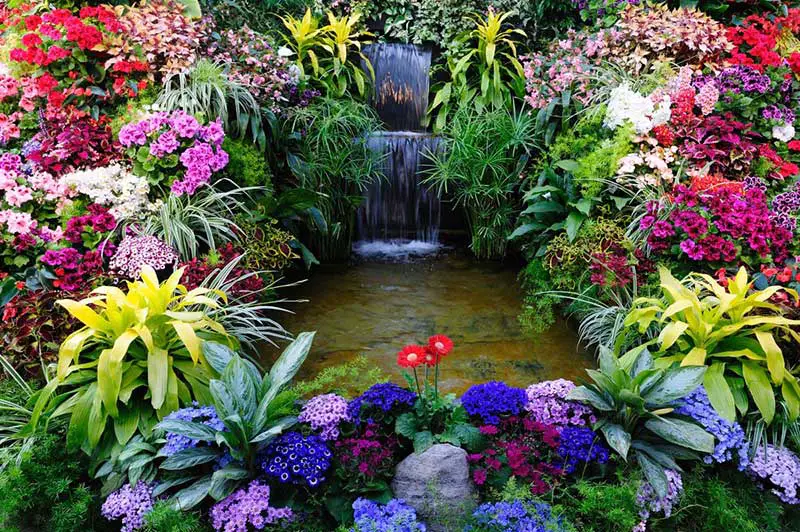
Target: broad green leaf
column 676, row 384
column 654, row 473
column 125, row 424
column 217, row 355
column 760, row 388
column 670, row 334
column 775, row 361
column 617, row 438
column 423, row 441
column 191, row 496
column 719, row 393
column 695, row 357
column 190, row 457
column 683, row 433
column 190, row 429
column 157, row 376
column 582, row 394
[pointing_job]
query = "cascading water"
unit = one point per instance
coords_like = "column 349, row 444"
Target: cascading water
column 400, row 216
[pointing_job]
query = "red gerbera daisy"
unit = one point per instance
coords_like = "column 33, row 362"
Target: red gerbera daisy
column 432, row 357
column 440, row 344
column 411, row 356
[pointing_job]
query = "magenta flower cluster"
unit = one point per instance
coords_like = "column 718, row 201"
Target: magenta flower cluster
column 547, row 404
column 177, row 135
column 247, row 507
column 129, row 503
column 717, row 225
column 324, row 413
column 134, row 252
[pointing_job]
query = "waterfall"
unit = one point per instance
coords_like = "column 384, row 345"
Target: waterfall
column 399, row 207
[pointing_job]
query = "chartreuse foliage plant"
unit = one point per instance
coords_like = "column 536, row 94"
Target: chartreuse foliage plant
column 254, row 408
column 634, row 413
column 734, row 331
column 487, row 76
column 137, row 358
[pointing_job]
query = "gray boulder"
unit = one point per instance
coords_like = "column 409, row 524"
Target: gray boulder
column 437, row 484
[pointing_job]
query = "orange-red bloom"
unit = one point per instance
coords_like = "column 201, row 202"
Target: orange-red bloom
column 411, row 356
column 440, row 344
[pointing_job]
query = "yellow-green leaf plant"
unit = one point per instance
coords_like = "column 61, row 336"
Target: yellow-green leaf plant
column 344, row 41
column 487, row 76
column 735, row 331
column 303, row 37
column 137, row 358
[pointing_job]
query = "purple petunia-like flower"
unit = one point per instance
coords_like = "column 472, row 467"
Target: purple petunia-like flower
column 779, row 467
column 548, row 404
column 129, row 503
column 296, row 459
column 383, row 397
column 207, row 415
column 134, row 252
column 731, row 439
column 491, row 400
column 395, row 516
column 247, row 507
column 324, row 413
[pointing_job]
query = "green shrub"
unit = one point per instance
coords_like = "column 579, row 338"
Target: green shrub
column 725, row 500
column 247, row 166
column 164, row 518
column 538, row 311
column 47, row 491
column 348, row 379
column 603, row 506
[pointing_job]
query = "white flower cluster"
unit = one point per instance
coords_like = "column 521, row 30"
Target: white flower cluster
column 783, row 133
column 114, row 186
column 627, row 105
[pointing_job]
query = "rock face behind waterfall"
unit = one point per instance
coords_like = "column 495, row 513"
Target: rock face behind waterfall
column 437, row 484
column 400, row 207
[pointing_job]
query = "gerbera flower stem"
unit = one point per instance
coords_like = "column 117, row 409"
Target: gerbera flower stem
column 416, row 379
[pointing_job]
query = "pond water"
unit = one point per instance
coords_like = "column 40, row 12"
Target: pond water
column 377, row 306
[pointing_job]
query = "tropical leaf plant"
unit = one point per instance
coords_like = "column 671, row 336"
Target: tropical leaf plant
column 487, row 76
column 255, row 410
column 634, row 409
column 303, row 39
column 735, row 331
column 344, row 66
column 137, row 358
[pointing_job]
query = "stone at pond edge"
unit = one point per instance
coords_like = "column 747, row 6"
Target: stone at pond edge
column 437, row 484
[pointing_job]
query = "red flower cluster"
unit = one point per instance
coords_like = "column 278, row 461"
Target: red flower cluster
column 198, row 269
column 757, row 40
column 412, row 356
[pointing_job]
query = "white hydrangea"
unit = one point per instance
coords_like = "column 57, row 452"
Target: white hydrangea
column 114, row 186
column 783, row 133
column 627, row 105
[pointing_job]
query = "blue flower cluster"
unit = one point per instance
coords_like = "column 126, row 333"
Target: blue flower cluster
column 491, row 400
column 731, row 438
column 130, row 504
column 580, row 445
column 207, row 415
column 396, row 516
column 384, row 397
column 296, row 459
column 516, row 516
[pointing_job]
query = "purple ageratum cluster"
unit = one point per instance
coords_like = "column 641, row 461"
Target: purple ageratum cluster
column 779, row 467
column 324, row 413
column 296, row 459
column 731, row 438
column 491, row 400
column 548, row 404
column 247, row 507
column 517, row 516
column 137, row 251
column 580, row 445
column 207, row 415
column 385, row 397
column 129, row 503
column 198, row 147
column 395, row 516
column 649, row 502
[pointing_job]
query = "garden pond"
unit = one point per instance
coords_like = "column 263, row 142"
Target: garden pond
column 383, row 301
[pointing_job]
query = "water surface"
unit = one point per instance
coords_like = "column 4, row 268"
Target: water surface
column 374, row 308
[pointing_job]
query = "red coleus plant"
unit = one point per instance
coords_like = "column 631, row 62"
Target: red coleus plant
column 72, row 56
column 724, row 144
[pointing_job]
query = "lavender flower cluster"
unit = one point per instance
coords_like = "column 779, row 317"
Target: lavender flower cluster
column 247, row 507
column 517, row 516
column 129, row 503
column 547, row 404
column 324, row 413
column 198, row 147
column 395, row 516
column 785, row 207
column 581, row 445
column 137, row 251
column 491, row 400
column 731, row 438
column 649, row 502
column 383, row 397
column 743, row 78
column 780, row 467
column 297, row 459
column 207, row 415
